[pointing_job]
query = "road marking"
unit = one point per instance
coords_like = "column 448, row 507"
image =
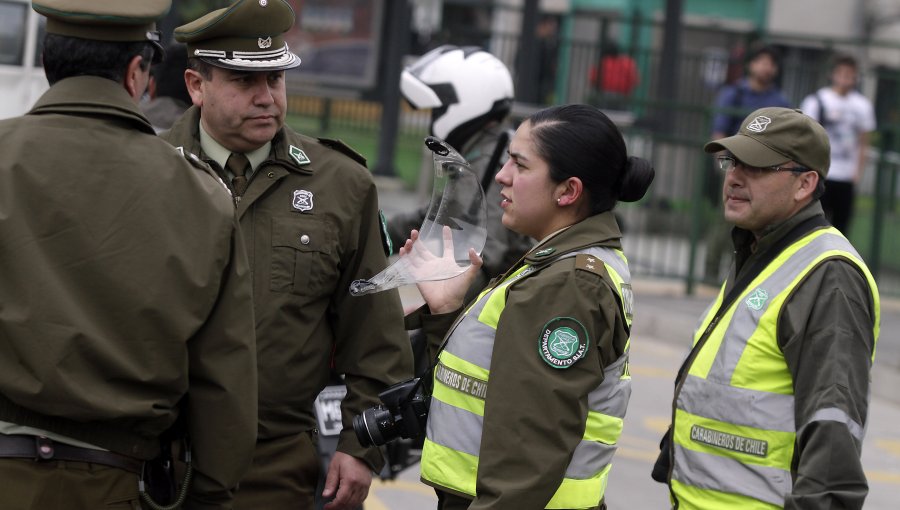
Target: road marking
column 883, row 476
column 892, row 446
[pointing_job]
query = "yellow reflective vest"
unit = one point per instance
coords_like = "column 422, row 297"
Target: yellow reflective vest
column 461, row 379
column 733, row 427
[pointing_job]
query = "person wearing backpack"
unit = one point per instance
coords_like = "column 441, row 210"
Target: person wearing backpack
column 848, row 117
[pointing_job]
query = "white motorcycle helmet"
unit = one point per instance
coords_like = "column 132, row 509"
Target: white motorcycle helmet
column 465, row 87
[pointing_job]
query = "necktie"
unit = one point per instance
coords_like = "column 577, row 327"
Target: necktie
column 238, row 164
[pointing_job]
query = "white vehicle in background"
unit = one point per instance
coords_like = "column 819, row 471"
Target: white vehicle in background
column 22, row 78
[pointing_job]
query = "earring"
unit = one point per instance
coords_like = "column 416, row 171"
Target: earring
column 557, row 201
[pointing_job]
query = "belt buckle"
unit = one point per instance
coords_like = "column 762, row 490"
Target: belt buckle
column 43, row 447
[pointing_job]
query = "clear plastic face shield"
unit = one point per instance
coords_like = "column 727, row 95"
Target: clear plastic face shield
column 457, row 203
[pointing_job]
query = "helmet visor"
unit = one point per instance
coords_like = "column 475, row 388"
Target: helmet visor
column 457, row 203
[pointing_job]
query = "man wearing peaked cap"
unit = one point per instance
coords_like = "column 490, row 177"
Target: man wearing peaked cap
column 761, row 428
column 108, row 339
column 308, row 208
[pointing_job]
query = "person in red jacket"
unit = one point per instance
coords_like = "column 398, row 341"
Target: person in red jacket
column 616, row 76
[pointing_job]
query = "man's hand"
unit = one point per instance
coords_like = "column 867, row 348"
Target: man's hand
column 348, row 482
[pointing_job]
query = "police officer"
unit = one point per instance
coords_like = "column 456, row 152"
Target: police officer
column 125, row 286
column 309, row 212
column 770, row 406
column 531, row 388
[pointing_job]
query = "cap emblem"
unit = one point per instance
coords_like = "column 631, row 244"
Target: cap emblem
column 264, row 43
column 759, row 124
column 263, row 3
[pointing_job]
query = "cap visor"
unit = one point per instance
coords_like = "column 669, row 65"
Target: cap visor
column 748, row 150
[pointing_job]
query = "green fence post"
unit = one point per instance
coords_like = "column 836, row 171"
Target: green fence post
column 879, row 210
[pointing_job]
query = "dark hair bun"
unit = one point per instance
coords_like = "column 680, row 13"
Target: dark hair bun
column 638, row 176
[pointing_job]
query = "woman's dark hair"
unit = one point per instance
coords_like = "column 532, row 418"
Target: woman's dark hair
column 578, row 140
column 65, row 56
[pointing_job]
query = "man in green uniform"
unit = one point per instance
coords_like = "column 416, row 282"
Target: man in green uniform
column 125, row 288
column 770, row 406
column 308, row 209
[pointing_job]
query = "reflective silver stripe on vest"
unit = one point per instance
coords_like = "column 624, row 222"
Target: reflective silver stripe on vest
column 745, row 319
column 588, row 459
column 614, row 401
column 479, row 337
column 711, row 472
column 740, row 406
column 454, row 428
column 461, row 430
column 610, row 398
column 838, row 415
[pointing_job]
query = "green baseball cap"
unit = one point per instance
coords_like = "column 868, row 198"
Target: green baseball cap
column 248, row 35
column 772, row 136
column 106, row 20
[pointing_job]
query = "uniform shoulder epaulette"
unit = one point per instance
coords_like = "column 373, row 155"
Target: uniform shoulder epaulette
column 202, row 166
column 343, row 148
column 590, row 263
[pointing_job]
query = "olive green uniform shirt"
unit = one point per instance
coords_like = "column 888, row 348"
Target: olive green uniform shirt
column 311, row 225
column 124, row 287
column 534, row 414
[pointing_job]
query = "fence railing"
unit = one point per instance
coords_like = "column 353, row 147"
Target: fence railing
column 668, row 233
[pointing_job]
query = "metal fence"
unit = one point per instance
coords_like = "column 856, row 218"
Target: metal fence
column 667, row 232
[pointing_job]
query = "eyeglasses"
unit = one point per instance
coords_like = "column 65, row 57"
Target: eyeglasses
column 727, row 163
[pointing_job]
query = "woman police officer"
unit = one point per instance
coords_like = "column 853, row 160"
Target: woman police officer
column 532, row 383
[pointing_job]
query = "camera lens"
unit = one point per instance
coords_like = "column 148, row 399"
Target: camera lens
column 375, row 426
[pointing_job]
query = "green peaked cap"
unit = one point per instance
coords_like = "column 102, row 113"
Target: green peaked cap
column 248, row 35
column 105, row 20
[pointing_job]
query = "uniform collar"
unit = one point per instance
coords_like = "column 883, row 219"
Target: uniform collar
column 597, row 230
column 216, row 152
column 744, row 239
column 92, row 95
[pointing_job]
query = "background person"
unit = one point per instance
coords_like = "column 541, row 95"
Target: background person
column 757, row 89
column 169, row 98
column 848, row 118
column 771, row 403
column 545, row 347
column 615, row 77
column 309, row 212
column 124, row 283
column 470, row 94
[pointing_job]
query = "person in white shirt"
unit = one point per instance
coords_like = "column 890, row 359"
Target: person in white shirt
column 848, row 117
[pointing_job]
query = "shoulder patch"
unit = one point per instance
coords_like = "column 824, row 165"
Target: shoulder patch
column 590, row 263
column 343, row 149
column 563, row 342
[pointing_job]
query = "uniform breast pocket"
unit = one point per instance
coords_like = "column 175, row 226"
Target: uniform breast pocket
column 304, row 255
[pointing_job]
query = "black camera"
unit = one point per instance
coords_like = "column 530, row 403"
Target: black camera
column 403, row 414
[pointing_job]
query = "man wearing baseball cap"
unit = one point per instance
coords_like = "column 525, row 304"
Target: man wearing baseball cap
column 771, row 404
column 124, row 285
column 308, row 208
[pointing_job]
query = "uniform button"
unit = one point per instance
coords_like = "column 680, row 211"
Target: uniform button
column 270, row 175
column 304, row 239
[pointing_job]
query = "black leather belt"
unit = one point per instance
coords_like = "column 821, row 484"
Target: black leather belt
column 40, row 448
